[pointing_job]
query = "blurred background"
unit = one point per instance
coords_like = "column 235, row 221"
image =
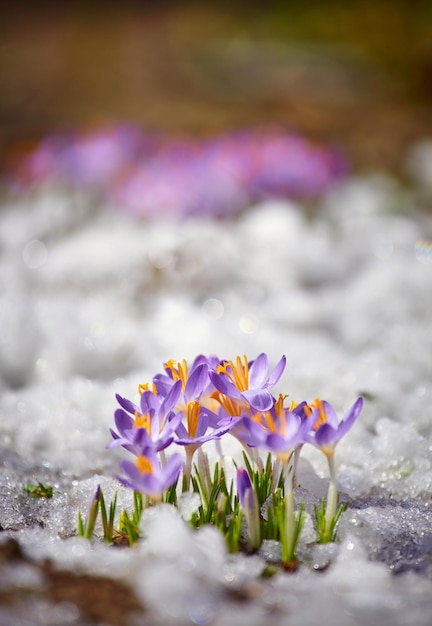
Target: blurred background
column 358, row 73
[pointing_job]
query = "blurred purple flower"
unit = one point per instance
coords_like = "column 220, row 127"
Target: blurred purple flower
column 151, row 175
column 96, row 157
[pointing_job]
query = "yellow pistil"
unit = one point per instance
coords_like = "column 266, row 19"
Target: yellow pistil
column 178, row 371
column 144, row 465
column 193, row 411
column 143, row 421
column 238, row 373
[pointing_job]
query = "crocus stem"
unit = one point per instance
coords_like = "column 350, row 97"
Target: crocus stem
column 219, row 451
column 295, row 464
column 290, row 520
column 187, row 470
column 204, row 475
column 275, row 474
column 332, row 495
column 256, row 459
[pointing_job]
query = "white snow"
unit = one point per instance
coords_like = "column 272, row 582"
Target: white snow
column 94, row 301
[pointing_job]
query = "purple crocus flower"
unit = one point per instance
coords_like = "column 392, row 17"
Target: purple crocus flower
column 248, row 382
column 327, row 430
column 147, row 475
column 279, row 430
column 326, row 433
column 194, row 380
column 154, row 419
column 196, row 432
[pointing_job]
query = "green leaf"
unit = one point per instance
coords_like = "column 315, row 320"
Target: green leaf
column 39, row 491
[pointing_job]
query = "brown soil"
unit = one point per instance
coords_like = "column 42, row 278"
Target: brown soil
column 97, row 599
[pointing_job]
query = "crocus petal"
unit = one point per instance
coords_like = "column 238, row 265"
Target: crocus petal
column 163, row 443
column 199, row 440
column 199, row 360
column 259, row 399
column 258, row 371
column 277, row 443
column 163, row 384
column 307, row 425
column 131, row 470
column 250, row 432
column 151, row 485
column 196, row 382
column 173, row 420
column 293, row 426
column 243, row 484
column 218, row 432
column 172, row 469
column 181, row 432
column 171, row 398
column 128, row 406
column 326, row 435
column 350, row 417
column 300, row 409
column 214, row 419
column 123, row 421
column 223, row 385
column 149, row 401
column 203, row 422
column 125, row 482
column 212, row 361
column 276, row 373
column 141, row 438
column 114, row 435
column 120, row 441
column 331, row 416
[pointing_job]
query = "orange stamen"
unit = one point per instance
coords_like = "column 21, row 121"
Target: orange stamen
column 145, row 387
column 178, row 371
column 322, row 417
column 238, row 374
column 143, row 421
column 292, row 405
column 266, row 417
column 232, row 407
column 144, row 465
column 193, row 412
